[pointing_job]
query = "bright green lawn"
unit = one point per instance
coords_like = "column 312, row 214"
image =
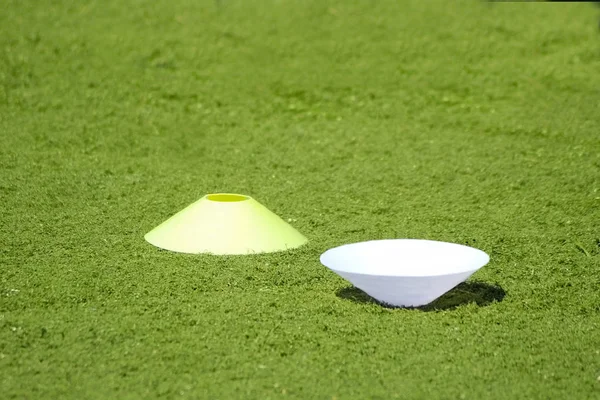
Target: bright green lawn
column 461, row 121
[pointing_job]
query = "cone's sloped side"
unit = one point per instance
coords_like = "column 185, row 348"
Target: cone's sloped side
column 225, row 224
column 405, row 291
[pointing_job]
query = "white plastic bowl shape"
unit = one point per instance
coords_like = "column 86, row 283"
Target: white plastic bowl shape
column 404, row 272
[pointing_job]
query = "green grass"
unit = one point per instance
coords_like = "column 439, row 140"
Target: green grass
column 462, row 121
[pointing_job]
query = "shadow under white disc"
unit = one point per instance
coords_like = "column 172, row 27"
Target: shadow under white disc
column 404, row 272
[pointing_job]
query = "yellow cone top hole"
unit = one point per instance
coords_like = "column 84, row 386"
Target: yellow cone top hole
column 226, row 198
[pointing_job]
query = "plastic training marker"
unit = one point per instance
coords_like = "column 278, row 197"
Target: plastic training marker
column 225, row 223
column 404, row 272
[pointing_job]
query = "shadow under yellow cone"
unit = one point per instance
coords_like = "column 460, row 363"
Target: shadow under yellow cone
column 225, row 223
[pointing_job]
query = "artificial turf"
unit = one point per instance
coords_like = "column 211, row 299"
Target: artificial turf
column 460, row 121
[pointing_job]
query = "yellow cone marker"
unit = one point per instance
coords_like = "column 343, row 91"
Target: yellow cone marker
column 225, row 223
